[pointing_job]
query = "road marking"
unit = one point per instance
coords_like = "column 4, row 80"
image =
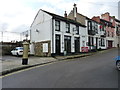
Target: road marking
column 25, row 70
column 45, row 65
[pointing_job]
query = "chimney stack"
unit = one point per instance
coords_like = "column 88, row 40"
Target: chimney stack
column 65, row 15
column 75, row 11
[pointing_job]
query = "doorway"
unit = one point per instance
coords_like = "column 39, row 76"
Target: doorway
column 77, row 45
column 58, row 44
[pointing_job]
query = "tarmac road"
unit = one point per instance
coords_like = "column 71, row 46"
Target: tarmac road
column 97, row 71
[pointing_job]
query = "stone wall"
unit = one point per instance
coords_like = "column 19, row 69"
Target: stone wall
column 39, row 48
column 7, row 47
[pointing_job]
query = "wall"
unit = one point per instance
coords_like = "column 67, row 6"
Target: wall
column 41, row 28
column 80, row 18
column 41, row 31
column 39, row 48
column 7, row 47
column 82, row 35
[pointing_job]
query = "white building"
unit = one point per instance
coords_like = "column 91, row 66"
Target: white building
column 96, row 35
column 53, row 34
column 119, row 10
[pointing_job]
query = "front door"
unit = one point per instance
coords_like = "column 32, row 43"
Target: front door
column 67, row 44
column 58, row 44
column 77, row 45
column 110, row 43
column 96, row 43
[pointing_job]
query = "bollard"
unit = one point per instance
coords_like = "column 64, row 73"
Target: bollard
column 25, row 53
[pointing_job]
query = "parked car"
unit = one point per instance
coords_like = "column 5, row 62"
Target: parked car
column 118, row 62
column 17, row 51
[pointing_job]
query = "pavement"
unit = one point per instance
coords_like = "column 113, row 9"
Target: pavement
column 9, row 65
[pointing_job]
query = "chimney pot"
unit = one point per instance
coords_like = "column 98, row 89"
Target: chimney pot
column 75, row 10
column 65, row 15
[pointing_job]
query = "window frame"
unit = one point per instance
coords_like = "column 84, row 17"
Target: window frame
column 57, row 25
column 67, row 28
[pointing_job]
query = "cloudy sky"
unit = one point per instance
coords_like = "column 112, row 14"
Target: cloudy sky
column 17, row 15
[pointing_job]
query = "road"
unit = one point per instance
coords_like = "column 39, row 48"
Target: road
column 97, row 71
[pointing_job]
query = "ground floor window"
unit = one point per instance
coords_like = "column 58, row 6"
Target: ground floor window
column 90, row 41
column 102, row 42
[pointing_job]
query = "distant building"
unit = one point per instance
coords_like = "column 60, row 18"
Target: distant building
column 108, row 23
column 119, row 10
column 95, row 35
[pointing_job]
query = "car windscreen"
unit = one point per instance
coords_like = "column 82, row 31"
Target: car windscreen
column 20, row 48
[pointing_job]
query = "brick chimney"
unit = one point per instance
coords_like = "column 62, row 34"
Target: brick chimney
column 106, row 16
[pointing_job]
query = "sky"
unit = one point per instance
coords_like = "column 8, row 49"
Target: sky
column 18, row 15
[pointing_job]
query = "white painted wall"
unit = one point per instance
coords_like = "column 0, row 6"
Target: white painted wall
column 83, row 35
column 41, row 27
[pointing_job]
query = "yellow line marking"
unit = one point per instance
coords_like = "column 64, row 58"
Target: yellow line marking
column 25, row 70
column 37, row 67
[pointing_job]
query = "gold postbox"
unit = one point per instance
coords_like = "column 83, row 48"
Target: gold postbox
column 25, row 53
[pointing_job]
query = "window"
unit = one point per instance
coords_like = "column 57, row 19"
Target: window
column 93, row 26
column 57, row 25
column 108, row 33
column 99, row 43
column 90, row 41
column 77, row 29
column 102, row 42
column 96, row 28
column 89, row 25
column 83, row 43
column 67, row 28
column 101, row 27
column 112, row 34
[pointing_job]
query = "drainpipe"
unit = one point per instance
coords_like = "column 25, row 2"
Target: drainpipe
column 52, row 35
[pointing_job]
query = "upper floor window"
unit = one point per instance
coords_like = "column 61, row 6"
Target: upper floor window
column 102, row 42
column 89, row 25
column 108, row 33
column 57, row 25
column 112, row 34
column 96, row 28
column 67, row 28
column 77, row 29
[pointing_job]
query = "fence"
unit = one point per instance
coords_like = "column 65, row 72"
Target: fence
column 6, row 36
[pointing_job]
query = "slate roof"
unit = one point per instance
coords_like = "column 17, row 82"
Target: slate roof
column 110, row 24
column 117, row 20
column 55, row 16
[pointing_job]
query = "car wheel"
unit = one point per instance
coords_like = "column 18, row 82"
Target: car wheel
column 118, row 65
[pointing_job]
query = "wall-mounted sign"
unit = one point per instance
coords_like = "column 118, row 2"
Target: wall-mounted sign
column 84, row 49
column 45, row 47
